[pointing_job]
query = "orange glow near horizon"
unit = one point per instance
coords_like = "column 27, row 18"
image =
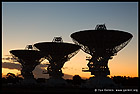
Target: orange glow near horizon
column 6, row 70
column 76, row 63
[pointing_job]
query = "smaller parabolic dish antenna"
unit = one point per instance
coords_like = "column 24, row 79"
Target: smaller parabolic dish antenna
column 29, row 59
column 57, row 53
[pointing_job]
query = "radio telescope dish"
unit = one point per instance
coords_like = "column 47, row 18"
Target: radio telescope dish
column 29, row 59
column 57, row 53
column 101, row 44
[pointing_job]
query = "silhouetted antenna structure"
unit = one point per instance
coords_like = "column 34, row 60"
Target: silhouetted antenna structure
column 101, row 44
column 57, row 39
column 29, row 59
column 101, row 27
column 31, row 47
column 57, row 53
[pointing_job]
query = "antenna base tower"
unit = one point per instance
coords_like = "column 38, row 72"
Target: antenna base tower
column 98, row 66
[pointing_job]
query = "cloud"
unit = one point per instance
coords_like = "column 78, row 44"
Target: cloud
column 10, row 65
column 67, row 76
column 38, row 71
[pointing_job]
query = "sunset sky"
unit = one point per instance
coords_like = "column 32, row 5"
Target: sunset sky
column 25, row 23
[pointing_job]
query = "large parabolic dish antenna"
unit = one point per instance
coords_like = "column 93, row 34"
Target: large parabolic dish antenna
column 57, row 53
column 101, row 44
column 29, row 59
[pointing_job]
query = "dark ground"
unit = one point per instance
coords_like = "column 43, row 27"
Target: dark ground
column 9, row 84
column 67, row 89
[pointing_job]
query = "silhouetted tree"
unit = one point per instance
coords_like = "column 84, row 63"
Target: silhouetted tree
column 11, row 78
column 10, row 75
column 126, row 81
column 77, row 80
